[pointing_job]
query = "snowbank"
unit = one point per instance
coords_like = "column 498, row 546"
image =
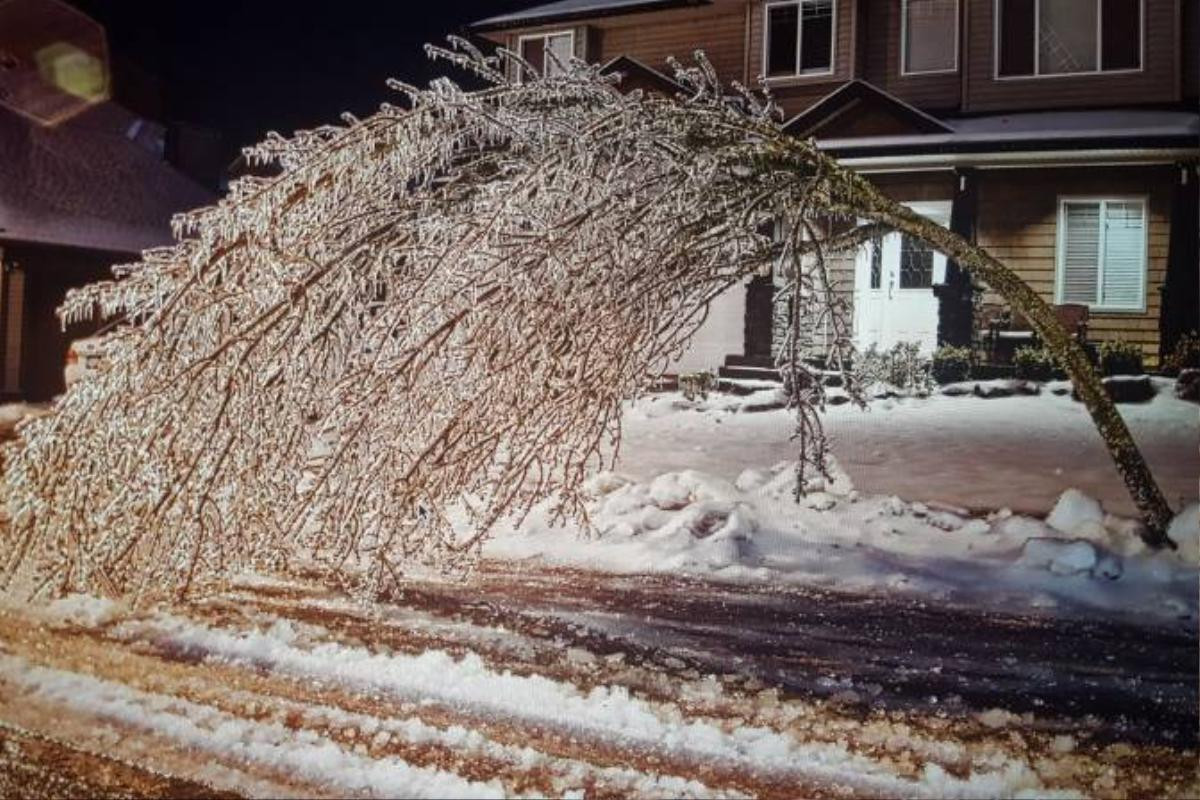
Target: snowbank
column 751, row 529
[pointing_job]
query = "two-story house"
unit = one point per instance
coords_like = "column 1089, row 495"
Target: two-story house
column 1062, row 135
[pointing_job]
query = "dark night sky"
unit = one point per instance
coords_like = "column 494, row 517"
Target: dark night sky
column 244, row 67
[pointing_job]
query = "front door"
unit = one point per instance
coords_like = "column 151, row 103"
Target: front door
column 893, row 287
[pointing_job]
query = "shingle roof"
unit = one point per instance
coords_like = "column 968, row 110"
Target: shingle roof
column 86, row 183
column 576, row 9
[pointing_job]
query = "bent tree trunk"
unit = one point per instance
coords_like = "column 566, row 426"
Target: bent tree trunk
column 1067, row 352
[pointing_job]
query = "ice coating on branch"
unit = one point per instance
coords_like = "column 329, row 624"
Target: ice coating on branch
column 451, row 299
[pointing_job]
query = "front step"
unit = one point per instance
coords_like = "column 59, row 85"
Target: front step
column 750, row 374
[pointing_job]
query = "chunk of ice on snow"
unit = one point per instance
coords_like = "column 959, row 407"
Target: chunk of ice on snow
column 1185, row 532
column 1061, row 557
column 1073, row 511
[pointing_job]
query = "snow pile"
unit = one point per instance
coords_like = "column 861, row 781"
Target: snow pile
column 81, row 610
column 752, row 529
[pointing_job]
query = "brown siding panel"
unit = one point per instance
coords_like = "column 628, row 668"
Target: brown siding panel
column 883, row 68
column 1155, row 83
column 1018, row 223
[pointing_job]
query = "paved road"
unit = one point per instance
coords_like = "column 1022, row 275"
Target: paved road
column 538, row 681
column 1139, row 684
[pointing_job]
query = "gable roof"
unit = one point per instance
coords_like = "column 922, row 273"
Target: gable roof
column 637, row 75
column 89, row 183
column 856, row 95
column 565, row 10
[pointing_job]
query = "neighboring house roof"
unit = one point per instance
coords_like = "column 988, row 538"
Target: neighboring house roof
column 89, row 182
column 565, row 10
column 1125, row 129
column 858, row 94
column 635, row 75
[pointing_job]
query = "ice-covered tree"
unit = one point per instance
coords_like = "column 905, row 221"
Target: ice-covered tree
column 427, row 322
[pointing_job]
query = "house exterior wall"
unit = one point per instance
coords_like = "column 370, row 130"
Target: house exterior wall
column 1018, row 224
column 881, row 19
column 48, row 272
column 652, row 36
column 1158, row 81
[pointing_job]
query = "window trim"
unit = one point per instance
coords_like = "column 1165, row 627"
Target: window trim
column 1037, row 53
column 522, row 38
column 1060, row 250
column 904, row 72
column 798, row 76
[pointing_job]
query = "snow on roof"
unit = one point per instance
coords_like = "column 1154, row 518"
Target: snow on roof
column 1045, row 128
column 572, row 9
column 89, row 183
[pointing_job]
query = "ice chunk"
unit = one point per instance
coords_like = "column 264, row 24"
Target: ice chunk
column 1061, row 557
column 1073, row 511
column 1185, row 532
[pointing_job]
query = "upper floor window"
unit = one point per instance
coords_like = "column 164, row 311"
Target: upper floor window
column 929, row 39
column 799, row 38
column 1102, row 253
column 1065, row 37
column 537, row 50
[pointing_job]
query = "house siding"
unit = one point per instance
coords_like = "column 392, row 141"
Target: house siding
column 652, row 37
column 881, row 65
column 1157, row 82
column 1018, row 224
column 796, row 94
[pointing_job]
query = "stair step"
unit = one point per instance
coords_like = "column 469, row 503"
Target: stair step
column 750, row 374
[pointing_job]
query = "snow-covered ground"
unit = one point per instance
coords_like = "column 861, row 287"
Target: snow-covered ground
column 704, row 488
column 1018, row 452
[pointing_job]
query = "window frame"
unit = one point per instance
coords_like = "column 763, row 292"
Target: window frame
column 904, row 72
column 1037, row 75
column 1060, row 250
column 524, row 37
column 766, row 38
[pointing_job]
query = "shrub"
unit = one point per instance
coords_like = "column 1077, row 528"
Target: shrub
column 696, row 385
column 903, row 367
column 1185, row 355
column 952, row 364
column 1034, row 364
column 1118, row 357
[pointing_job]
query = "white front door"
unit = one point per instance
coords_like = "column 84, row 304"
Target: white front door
column 893, row 287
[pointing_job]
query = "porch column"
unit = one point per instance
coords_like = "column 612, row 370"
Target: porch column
column 955, row 296
column 1180, row 312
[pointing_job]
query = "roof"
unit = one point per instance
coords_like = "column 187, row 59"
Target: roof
column 1038, row 130
column 857, row 92
column 89, row 182
column 565, row 10
column 634, row 74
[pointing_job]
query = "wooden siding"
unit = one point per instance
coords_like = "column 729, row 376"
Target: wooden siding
column 1156, row 82
column 1018, row 224
column 881, row 65
column 1190, row 38
column 798, row 93
column 651, row 37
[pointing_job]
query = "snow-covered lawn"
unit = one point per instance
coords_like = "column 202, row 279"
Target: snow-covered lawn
column 1016, row 452
column 703, row 488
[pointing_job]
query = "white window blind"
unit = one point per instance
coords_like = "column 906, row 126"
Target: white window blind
column 1103, row 258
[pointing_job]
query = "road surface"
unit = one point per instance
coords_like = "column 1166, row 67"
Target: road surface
column 554, row 681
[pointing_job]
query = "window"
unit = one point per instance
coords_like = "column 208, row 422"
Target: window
column 916, row 264
column 876, row 261
column 537, row 50
column 1067, row 37
column 929, row 37
column 799, row 38
column 1102, row 253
